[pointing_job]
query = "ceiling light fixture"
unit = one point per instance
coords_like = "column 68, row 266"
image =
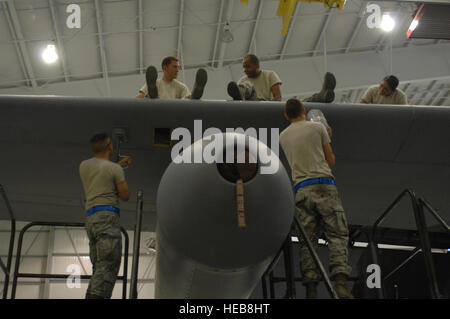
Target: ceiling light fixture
column 387, row 23
column 49, row 55
column 227, row 36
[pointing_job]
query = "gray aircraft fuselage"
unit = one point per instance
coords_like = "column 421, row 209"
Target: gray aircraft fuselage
column 380, row 150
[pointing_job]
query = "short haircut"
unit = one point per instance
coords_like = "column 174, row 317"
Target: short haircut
column 99, row 142
column 294, row 108
column 392, row 81
column 167, row 60
column 253, row 59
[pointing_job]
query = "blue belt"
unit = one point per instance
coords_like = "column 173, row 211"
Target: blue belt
column 102, row 207
column 311, row 181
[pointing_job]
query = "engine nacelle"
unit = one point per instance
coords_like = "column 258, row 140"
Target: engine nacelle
column 201, row 251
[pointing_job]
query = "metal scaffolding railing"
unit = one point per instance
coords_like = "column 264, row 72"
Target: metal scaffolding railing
column 289, row 267
column 7, row 268
column 17, row 274
column 418, row 205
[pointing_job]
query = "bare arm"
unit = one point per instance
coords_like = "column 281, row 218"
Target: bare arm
column 329, row 155
column 276, row 92
column 330, row 132
column 123, row 190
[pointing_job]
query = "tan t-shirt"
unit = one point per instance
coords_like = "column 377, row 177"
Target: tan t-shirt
column 302, row 143
column 169, row 90
column 263, row 83
column 372, row 96
column 100, row 177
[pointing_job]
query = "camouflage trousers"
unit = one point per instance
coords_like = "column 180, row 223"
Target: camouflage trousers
column 248, row 91
column 320, row 211
column 105, row 251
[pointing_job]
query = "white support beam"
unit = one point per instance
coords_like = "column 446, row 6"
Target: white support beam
column 355, row 32
column 406, row 87
column 255, row 28
column 289, row 33
column 442, row 99
column 48, row 267
column 322, row 31
column 350, row 95
column 141, row 36
column 413, row 96
column 102, row 46
column 427, row 91
column 223, row 45
column 180, row 55
column 219, row 24
column 437, row 97
column 16, row 45
column 359, row 95
column 436, row 94
column 59, row 42
column 180, row 30
column 19, row 37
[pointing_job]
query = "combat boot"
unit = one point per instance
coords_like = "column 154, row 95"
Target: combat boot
column 311, row 290
column 326, row 95
column 341, row 287
column 234, row 91
column 201, row 78
column 151, row 75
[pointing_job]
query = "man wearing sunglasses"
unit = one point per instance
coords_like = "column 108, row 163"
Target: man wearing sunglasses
column 386, row 93
column 104, row 183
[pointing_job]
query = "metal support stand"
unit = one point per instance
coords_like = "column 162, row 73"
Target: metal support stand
column 269, row 273
column 316, row 259
column 61, row 276
column 374, row 252
column 271, row 285
column 289, row 268
column 7, row 268
column 136, row 245
column 425, row 246
column 426, row 250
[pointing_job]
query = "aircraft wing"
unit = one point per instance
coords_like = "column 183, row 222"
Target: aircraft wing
column 380, row 150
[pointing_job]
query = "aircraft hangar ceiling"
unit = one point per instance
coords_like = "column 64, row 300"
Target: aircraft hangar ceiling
column 122, row 37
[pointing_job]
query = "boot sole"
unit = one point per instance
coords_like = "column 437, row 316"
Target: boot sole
column 327, row 93
column 151, row 75
column 330, row 81
column 200, row 81
column 234, row 92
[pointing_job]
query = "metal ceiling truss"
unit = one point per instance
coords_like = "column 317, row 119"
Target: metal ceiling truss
column 323, row 30
column 251, row 48
column 141, row 36
column 216, row 42
column 16, row 31
column 223, row 45
column 289, row 33
column 101, row 42
column 62, row 53
column 361, row 19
